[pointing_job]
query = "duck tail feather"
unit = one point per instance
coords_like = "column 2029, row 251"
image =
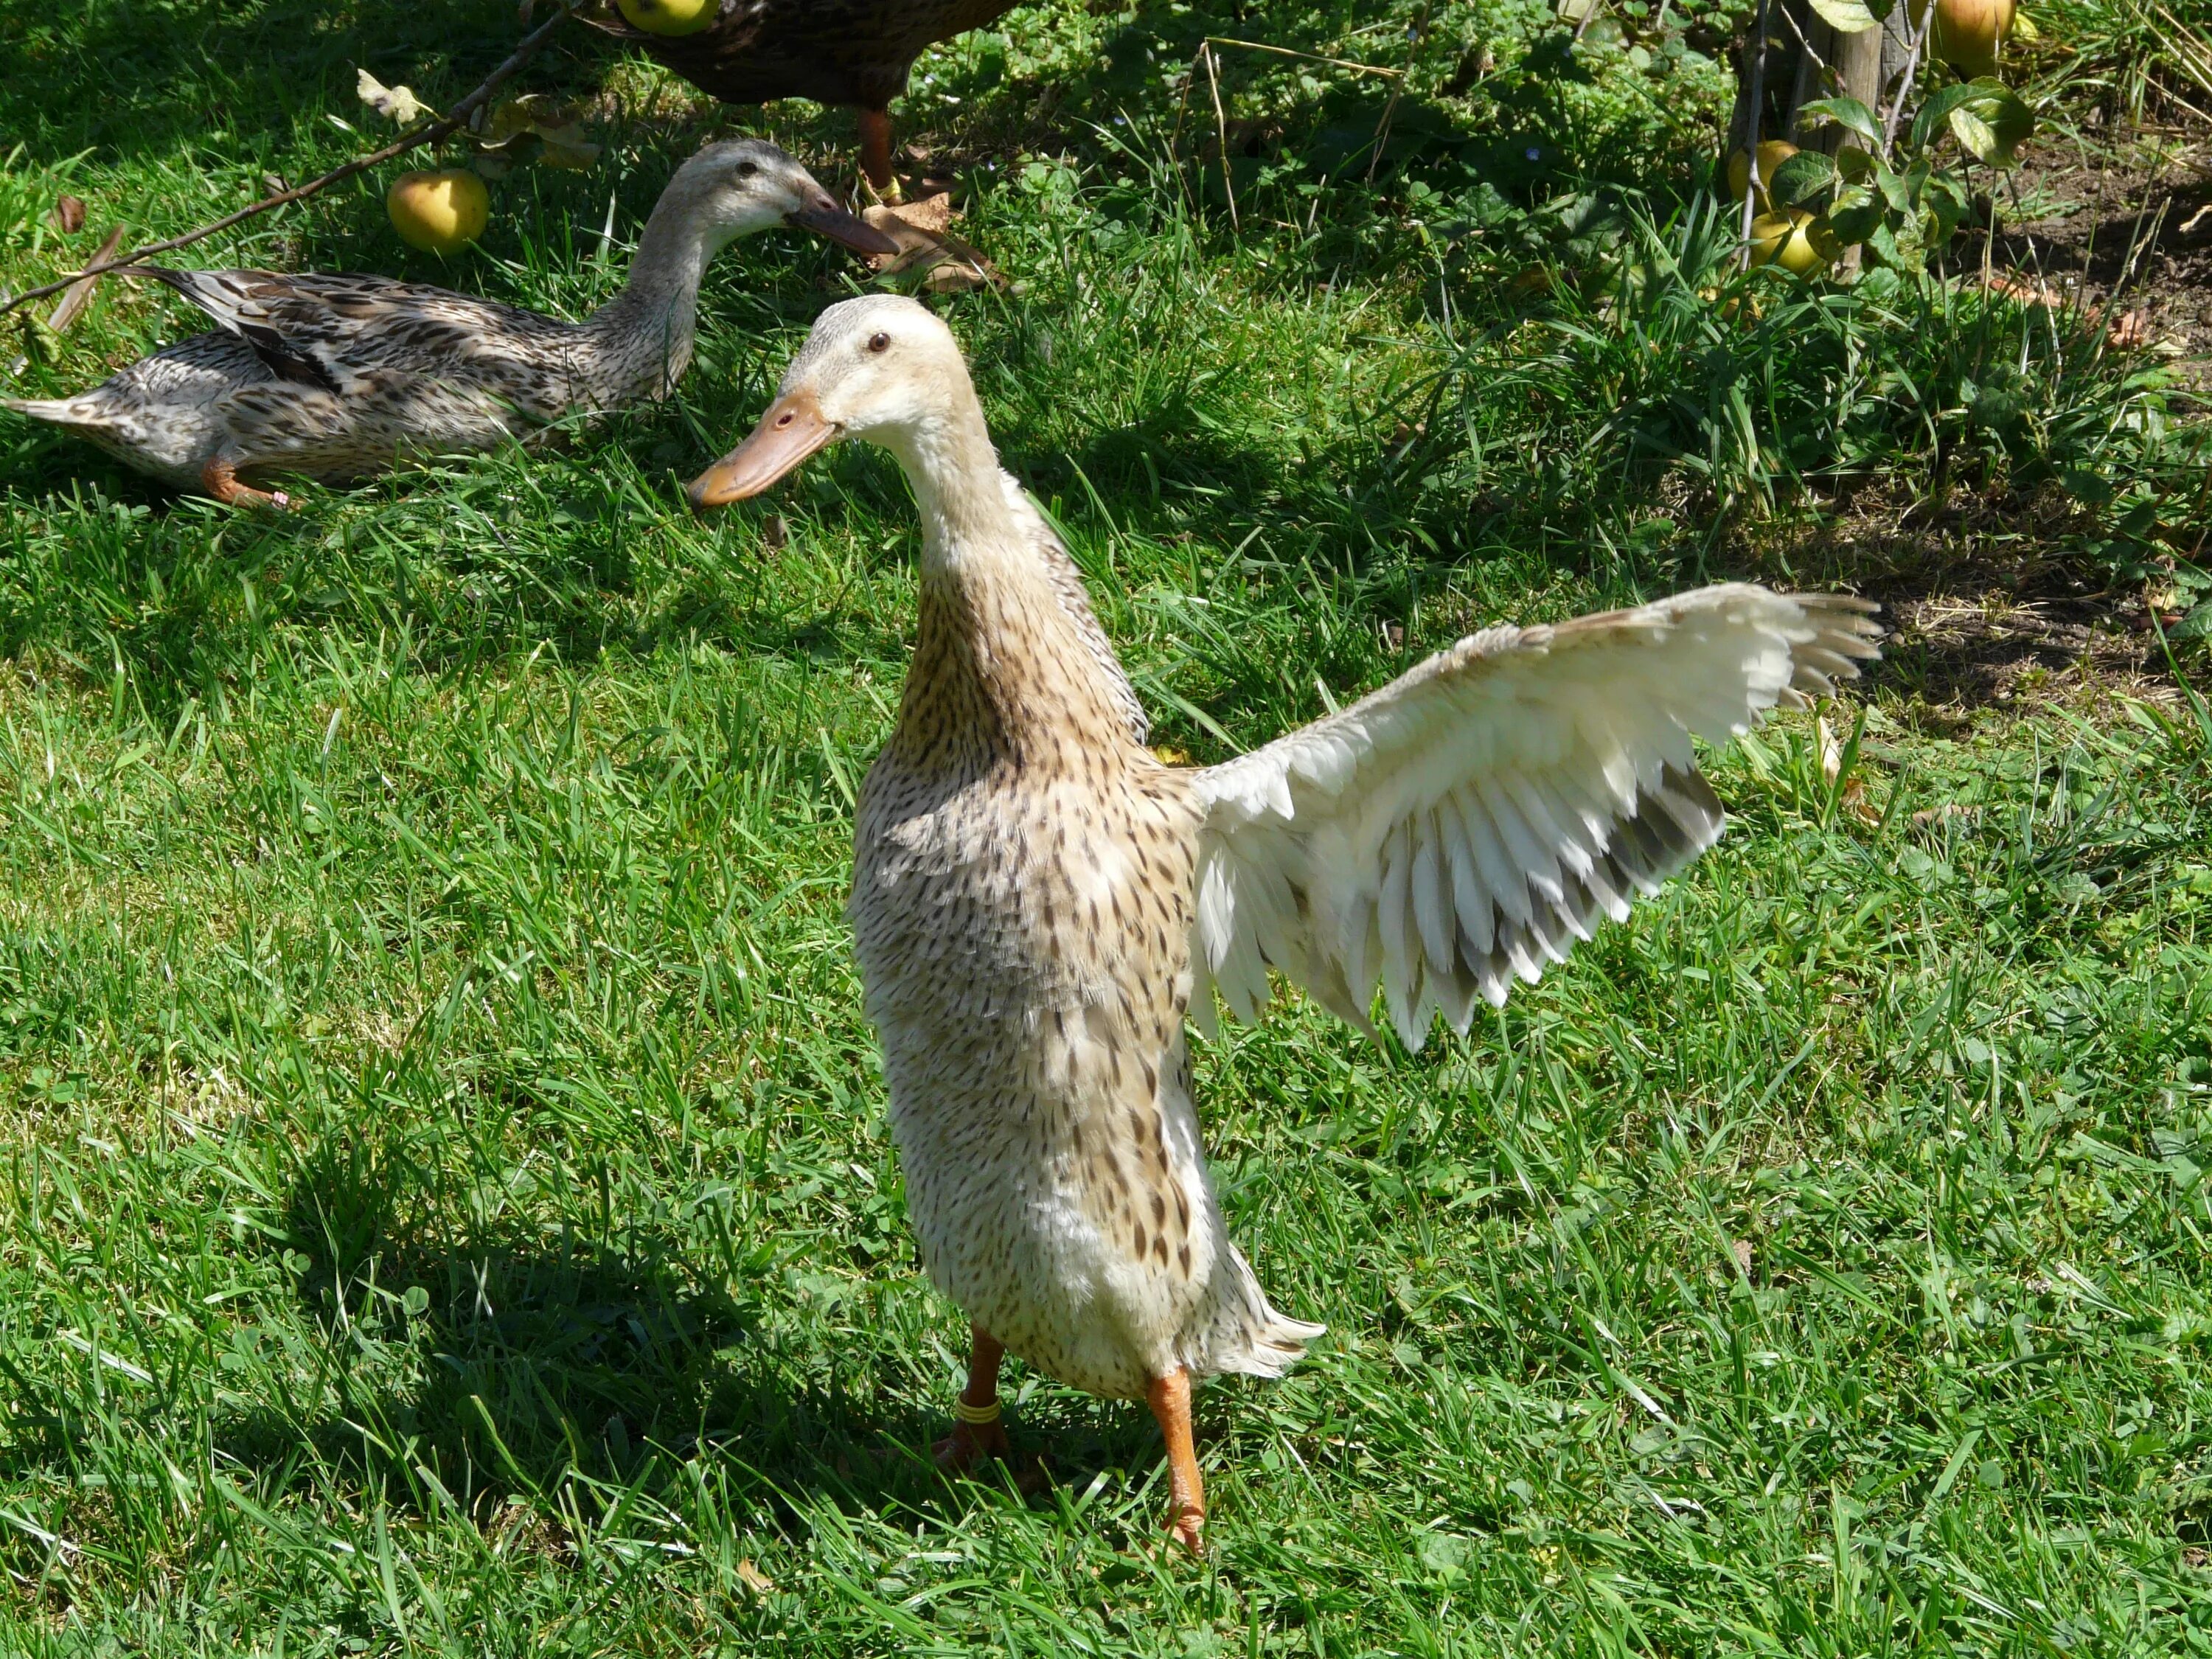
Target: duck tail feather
column 1236, row 1330
column 60, row 411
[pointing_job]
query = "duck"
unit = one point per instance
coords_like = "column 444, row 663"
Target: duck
column 834, row 51
column 339, row 377
column 1042, row 907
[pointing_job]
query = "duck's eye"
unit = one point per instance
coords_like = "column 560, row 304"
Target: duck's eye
column 747, row 169
column 879, row 342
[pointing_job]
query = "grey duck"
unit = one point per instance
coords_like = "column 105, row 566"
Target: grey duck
column 339, row 377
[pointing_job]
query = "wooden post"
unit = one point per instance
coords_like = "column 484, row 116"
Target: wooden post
column 1858, row 66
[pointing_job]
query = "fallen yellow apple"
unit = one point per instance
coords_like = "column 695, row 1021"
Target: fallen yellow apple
column 669, row 16
column 438, row 212
column 1771, row 154
column 1795, row 240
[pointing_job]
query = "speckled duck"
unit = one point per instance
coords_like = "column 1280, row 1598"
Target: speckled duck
column 340, row 377
column 1039, row 903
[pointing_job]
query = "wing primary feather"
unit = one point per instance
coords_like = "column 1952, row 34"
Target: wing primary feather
column 1361, row 947
column 1508, row 887
column 1641, row 835
column 1432, row 909
column 1471, row 892
column 1833, row 664
column 1538, row 864
column 1400, row 966
column 1687, row 799
column 1468, row 899
column 1530, row 796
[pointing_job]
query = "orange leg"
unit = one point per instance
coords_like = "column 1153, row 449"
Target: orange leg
column 1169, row 1398
column 972, row 1441
column 876, row 150
column 219, row 477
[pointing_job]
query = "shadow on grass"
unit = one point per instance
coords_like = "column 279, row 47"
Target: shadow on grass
column 539, row 1361
column 151, row 78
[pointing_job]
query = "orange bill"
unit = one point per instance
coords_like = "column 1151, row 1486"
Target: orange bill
column 792, row 430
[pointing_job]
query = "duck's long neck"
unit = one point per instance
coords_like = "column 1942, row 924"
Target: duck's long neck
column 999, row 672
column 640, row 342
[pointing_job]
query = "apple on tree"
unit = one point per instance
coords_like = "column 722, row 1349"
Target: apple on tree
column 669, row 16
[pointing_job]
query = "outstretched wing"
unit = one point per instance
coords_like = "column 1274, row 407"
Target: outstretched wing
column 1462, row 827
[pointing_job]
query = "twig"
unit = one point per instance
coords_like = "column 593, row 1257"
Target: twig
column 450, row 121
column 1397, row 90
column 1905, row 82
column 73, row 303
column 1756, row 124
column 2138, row 243
column 1221, row 127
column 80, row 292
column 1820, row 63
column 1310, row 57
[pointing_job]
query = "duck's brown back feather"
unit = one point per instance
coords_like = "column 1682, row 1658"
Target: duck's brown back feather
column 834, row 51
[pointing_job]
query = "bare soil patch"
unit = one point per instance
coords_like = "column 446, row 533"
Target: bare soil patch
column 1990, row 611
column 2122, row 222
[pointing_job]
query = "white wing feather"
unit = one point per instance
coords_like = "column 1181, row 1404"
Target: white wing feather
column 1464, row 826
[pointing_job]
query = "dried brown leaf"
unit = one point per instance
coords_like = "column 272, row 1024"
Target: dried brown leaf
column 394, row 103
column 2129, row 330
column 1832, row 757
column 949, row 266
column 78, row 294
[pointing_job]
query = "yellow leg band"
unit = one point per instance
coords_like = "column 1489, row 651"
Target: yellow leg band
column 978, row 1415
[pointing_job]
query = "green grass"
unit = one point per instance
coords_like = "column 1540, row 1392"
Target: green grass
column 445, row 1205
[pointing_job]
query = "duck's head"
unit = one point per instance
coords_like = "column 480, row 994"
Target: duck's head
column 879, row 368
column 734, row 189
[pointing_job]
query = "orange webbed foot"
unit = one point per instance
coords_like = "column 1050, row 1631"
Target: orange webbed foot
column 1169, row 1399
column 219, row 477
column 1186, row 1527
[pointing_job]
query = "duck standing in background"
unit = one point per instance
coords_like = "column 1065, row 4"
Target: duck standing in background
column 340, row 377
column 834, row 51
column 1039, row 903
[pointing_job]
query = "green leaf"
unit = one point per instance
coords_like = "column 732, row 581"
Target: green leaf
column 1897, row 246
column 2197, row 625
column 2089, row 489
column 1850, row 114
column 1804, row 176
column 1974, row 135
column 1991, row 123
column 1936, row 108
column 1847, row 16
column 1854, row 221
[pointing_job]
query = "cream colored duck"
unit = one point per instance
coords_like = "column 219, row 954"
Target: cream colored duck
column 1039, row 903
column 338, row 377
